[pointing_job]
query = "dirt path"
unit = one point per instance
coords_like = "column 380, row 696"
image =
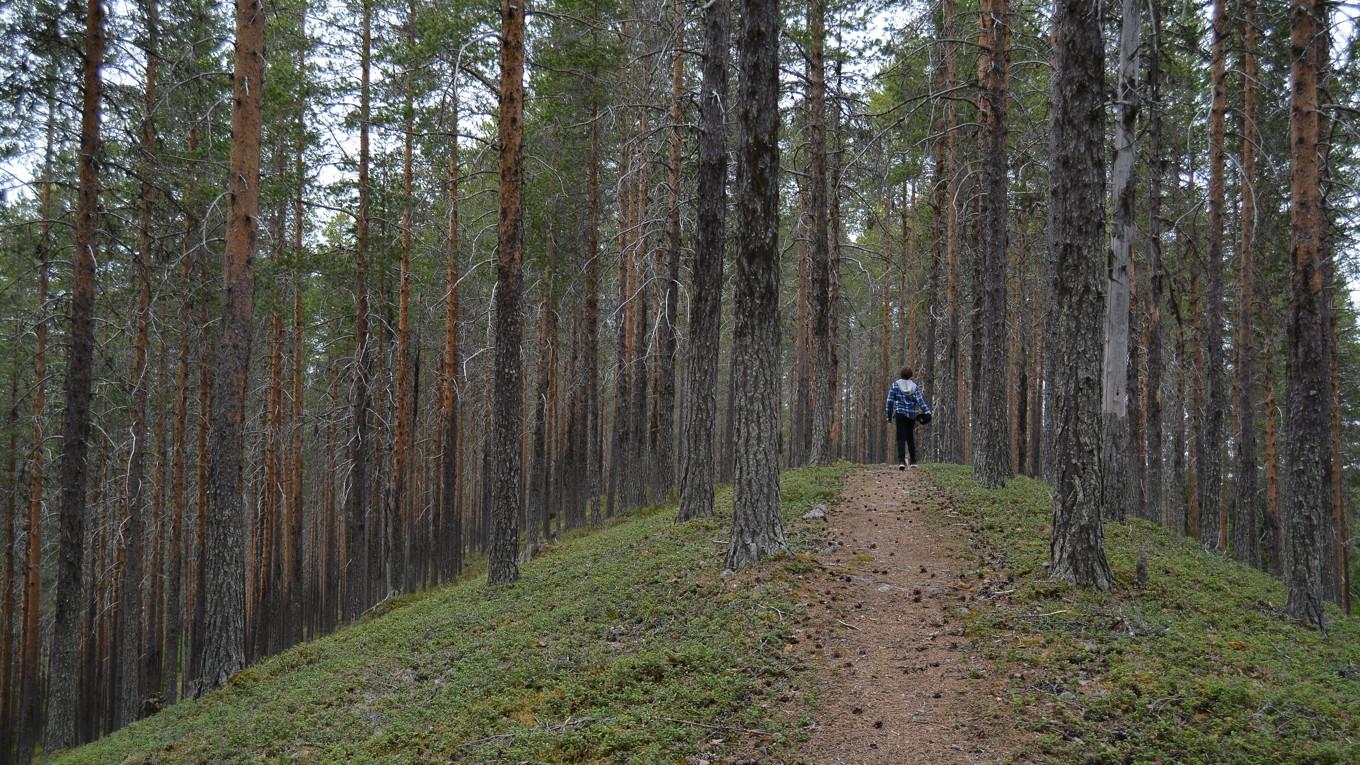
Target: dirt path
column 898, row 680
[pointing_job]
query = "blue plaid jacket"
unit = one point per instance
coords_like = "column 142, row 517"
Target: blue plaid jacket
column 903, row 403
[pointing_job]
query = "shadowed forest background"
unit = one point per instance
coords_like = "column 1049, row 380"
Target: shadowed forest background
column 306, row 305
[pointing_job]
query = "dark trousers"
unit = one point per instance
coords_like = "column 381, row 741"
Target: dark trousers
column 906, row 438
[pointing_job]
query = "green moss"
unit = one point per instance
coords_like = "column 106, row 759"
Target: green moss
column 1200, row 666
column 619, row 645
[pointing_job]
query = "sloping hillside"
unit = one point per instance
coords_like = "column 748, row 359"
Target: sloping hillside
column 623, row 645
column 620, row 645
column 1197, row 666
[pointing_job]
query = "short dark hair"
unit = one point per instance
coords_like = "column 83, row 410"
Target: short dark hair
column 905, row 373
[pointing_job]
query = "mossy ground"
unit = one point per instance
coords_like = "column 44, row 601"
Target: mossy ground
column 1199, row 666
column 621, row 645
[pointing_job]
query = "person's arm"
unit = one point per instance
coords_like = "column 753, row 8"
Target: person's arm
column 921, row 399
column 888, row 407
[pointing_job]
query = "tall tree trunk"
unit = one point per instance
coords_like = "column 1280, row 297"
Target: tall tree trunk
column 451, row 509
column 991, row 446
column 664, row 466
column 62, row 669
column 204, row 404
column 128, row 664
column 639, row 453
column 1340, row 591
column 1336, row 539
column 1154, row 508
column 594, row 435
column 800, row 424
column 8, row 620
column 358, row 566
column 757, row 529
column 223, row 628
column 298, row 612
column 27, row 715
column 178, row 562
column 1116, row 444
column 1307, row 463
column 1246, row 522
column 833, row 282
column 931, row 446
column 819, row 262
column 153, row 653
column 1210, row 426
column 1274, row 527
column 1077, row 159
column 1039, row 343
column 621, row 456
column 30, row 667
column 400, row 510
column 507, row 415
column 953, row 371
column 705, row 308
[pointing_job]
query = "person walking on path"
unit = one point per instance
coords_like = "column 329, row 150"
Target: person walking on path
column 906, row 406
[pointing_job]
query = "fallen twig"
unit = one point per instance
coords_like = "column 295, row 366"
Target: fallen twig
column 567, row 723
column 715, row 727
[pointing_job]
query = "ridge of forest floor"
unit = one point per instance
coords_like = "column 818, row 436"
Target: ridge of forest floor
column 619, row 645
column 899, row 678
column 1200, row 665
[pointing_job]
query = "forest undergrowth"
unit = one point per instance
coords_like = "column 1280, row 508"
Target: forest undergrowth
column 625, row 645
column 618, row 645
column 1198, row 665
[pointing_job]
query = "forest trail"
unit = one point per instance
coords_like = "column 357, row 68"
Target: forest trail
column 897, row 681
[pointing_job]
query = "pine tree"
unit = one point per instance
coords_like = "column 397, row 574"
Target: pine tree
column 757, row 530
column 1077, row 231
column 507, row 413
column 224, row 632
column 701, row 382
column 991, row 446
column 60, row 731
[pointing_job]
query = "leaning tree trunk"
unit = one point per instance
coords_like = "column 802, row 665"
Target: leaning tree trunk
column 1076, row 191
column 991, row 447
column 224, row 628
column 1116, row 444
column 62, row 661
column 1307, row 462
column 757, row 530
column 507, row 416
column 701, row 382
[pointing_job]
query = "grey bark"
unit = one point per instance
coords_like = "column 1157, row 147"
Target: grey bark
column 1306, row 506
column 60, row 731
column 992, row 441
column 1076, row 194
column 1116, row 443
column 757, row 529
column 705, row 315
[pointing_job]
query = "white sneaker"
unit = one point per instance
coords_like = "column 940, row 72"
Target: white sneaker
column 901, row 466
column 914, row 466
